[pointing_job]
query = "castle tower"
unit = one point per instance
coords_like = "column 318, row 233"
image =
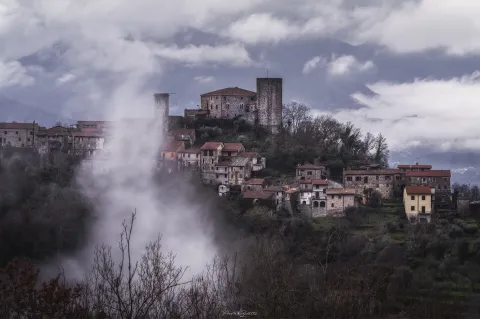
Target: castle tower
column 162, row 101
column 269, row 103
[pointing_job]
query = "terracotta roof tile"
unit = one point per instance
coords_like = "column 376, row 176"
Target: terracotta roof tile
column 192, row 150
column 232, row 147
column 211, row 146
column 231, row 92
column 223, row 163
column 431, row 173
column 273, row 188
column 310, row 166
column 373, row 172
column 319, row 182
column 182, row 131
column 340, row 191
column 15, row 125
column 257, row 195
column 172, row 146
column 254, row 181
column 414, row 166
column 418, row 190
column 249, row 154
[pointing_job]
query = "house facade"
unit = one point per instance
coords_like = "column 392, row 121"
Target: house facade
column 18, row 134
column 339, row 199
column 210, row 156
column 309, row 171
column 385, row 181
column 418, row 203
column 438, row 180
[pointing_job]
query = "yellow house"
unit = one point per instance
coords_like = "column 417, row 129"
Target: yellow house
column 418, row 203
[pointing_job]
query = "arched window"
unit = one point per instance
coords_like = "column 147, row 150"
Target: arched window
column 322, row 204
column 315, row 204
column 304, row 203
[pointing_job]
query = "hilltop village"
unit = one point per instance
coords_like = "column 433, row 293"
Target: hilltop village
column 236, row 172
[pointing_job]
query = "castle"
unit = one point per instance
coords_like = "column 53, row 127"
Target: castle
column 262, row 108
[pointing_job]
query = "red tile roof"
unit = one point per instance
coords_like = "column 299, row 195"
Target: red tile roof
column 310, row 166
column 211, row 146
column 88, row 134
column 373, row 172
column 418, row 190
column 273, row 188
column 414, row 166
column 192, row 150
column 431, row 173
column 172, row 146
column 257, row 195
column 340, row 191
column 319, row 182
column 232, row 147
column 20, row 126
column 231, row 91
column 254, row 181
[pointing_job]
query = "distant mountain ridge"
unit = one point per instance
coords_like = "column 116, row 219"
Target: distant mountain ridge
column 13, row 110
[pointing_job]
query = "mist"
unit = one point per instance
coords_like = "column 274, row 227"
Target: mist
column 120, row 180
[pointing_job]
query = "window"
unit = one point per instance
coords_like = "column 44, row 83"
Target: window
column 397, row 178
column 332, row 197
column 349, row 178
column 424, row 179
column 412, row 208
column 304, row 202
column 216, row 107
column 31, row 133
column 19, row 139
column 28, row 139
column 377, row 177
column 5, row 132
column 315, row 204
column 423, row 197
column 358, row 178
column 324, row 190
column 228, row 106
column 412, row 197
column 309, row 173
column 16, row 132
column 365, row 179
column 322, row 204
column 333, row 205
column 339, row 197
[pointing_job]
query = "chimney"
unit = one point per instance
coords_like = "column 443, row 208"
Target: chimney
column 416, row 163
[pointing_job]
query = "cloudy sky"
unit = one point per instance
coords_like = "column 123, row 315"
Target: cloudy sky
column 407, row 69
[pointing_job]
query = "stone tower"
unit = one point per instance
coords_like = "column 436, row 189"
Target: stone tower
column 162, row 101
column 269, row 103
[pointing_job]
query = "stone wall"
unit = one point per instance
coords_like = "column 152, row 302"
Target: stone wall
column 207, row 165
column 383, row 183
column 17, row 137
column 340, row 203
column 228, row 107
column 270, row 103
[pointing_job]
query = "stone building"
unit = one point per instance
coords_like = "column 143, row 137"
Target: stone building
column 87, row 143
column 270, row 103
column 263, row 107
column 439, row 180
column 162, row 109
column 254, row 198
column 309, row 171
column 385, row 181
column 228, row 103
column 416, row 167
column 18, row 134
column 253, row 184
column 258, row 162
column 57, row 138
column 338, row 199
column 278, row 195
column 182, row 134
column 232, row 150
column 189, row 159
column 319, row 197
column 211, row 153
column 240, row 169
column 169, row 151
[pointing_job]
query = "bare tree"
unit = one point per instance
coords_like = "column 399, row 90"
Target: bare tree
column 135, row 289
column 294, row 114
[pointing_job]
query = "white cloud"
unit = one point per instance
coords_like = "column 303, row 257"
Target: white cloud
column 347, row 64
column 204, row 79
column 13, row 73
column 439, row 113
column 415, row 26
column 313, row 63
column 65, row 78
column 233, row 54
